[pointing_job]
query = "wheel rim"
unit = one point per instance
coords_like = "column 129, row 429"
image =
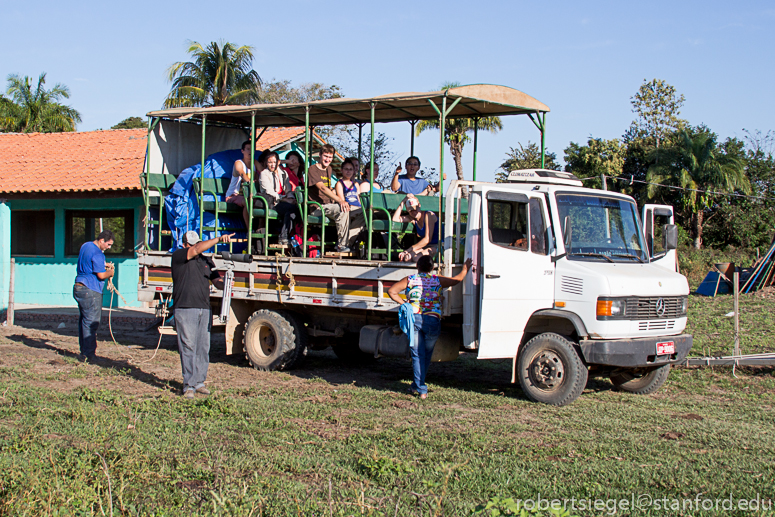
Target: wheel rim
column 547, row 370
column 267, row 343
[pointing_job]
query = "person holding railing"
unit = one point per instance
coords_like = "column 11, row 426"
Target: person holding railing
column 275, row 185
column 422, row 221
column 409, row 183
column 334, row 206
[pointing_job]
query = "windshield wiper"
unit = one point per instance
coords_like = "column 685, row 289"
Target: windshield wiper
column 630, row 255
column 592, row 255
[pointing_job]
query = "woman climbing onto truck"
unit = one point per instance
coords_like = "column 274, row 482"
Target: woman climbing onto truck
column 423, row 292
column 422, row 220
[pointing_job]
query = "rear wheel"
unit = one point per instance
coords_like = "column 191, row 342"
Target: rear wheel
column 640, row 380
column 270, row 340
column 550, row 370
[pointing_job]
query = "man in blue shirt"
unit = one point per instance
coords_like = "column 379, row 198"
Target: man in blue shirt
column 87, row 291
column 409, row 183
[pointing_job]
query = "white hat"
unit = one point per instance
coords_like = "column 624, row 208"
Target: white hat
column 192, row 237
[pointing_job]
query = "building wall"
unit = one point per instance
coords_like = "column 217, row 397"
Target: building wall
column 49, row 280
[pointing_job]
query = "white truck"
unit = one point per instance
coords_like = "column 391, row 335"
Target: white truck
column 565, row 282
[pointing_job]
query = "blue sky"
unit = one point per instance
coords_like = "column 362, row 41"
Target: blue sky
column 583, row 59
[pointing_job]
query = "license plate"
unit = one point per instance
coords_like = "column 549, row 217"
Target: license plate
column 665, row 348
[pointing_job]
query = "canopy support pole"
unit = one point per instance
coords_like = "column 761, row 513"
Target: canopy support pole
column 249, row 201
column 201, row 177
column 360, row 145
column 307, row 162
column 372, row 105
column 442, row 123
column 476, row 140
column 411, row 148
column 147, row 191
column 540, row 123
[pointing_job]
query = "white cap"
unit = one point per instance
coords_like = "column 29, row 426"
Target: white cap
column 192, row 237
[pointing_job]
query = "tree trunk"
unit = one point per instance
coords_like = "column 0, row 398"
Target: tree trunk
column 697, row 223
column 457, row 155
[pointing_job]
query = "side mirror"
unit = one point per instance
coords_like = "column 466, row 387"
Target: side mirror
column 669, row 237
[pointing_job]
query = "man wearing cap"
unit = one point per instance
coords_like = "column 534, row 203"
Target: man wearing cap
column 192, row 273
column 91, row 273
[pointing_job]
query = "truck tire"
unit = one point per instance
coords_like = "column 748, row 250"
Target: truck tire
column 550, row 370
column 270, row 340
column 639, row 381
column 302, row 339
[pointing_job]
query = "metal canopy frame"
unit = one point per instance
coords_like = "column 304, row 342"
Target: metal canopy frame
column 474, row 101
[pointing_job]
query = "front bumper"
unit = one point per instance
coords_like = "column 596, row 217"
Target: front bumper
column 634, row 353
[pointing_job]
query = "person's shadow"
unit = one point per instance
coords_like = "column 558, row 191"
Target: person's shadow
column 103, row 362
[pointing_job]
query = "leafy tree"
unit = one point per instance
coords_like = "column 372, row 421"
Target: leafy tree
column 597, row 157
column 657, row 108
column 525, row 157
column 345, row 139
column 282, row 92
column 218, row 74
column 696, row 162
column 29, row 109
column 131, row 123
column 456, row 131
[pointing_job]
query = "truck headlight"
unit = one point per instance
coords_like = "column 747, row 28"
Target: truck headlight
column 608, row 308
column 684, row 305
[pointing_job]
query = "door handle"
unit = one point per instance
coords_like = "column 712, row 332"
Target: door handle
column 492, row 276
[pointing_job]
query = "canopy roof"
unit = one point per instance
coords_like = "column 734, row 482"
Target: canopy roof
column 476, row 100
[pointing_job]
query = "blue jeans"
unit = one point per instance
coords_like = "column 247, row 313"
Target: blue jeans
column 426, row 333
column 90, row 314
column 193, row 327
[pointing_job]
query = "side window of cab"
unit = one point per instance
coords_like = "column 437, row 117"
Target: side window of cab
column 508, row 223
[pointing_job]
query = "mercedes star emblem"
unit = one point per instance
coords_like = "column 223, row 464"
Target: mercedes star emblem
column 660, row 307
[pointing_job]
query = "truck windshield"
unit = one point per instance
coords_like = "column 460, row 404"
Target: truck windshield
column 601, row 228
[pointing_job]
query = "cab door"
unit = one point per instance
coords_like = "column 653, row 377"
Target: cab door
column 655, row 217
column 516, row 274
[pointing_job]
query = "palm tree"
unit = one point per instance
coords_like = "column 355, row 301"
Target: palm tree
column 30, row 110
column 220, row 74
column 456, row 131
column 694, row 162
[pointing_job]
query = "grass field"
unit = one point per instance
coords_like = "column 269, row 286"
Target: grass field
column 328, row 439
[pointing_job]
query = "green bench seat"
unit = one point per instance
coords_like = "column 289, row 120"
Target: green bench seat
column 161, row 185
column 217, row 188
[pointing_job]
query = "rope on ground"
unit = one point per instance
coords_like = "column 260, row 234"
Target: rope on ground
column 132, row 360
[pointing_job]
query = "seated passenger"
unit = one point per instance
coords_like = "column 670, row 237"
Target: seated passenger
column 409, row 183
column 240, row 173
column 422, row 220
column 334, row 206
column 349, row 189
column 294, row 166
column 276, row 188
column 366, row 176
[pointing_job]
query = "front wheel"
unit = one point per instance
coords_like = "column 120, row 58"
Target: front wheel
column 270, row 340
column 550, row 370
column 641, row 381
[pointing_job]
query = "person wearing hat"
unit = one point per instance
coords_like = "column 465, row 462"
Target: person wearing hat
column 192, row 273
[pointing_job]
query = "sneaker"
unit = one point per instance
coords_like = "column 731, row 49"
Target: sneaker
column 189, row 394
column 203, row 390
column 343, row 249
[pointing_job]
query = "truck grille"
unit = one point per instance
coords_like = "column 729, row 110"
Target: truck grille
column 656, row 325
column 649, row 308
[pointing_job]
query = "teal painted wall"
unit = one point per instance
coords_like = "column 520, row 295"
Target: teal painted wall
column 5, row 254
column 49, row 280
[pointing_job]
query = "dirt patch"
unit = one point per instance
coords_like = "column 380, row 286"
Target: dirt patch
column 672, row 435
column 690, row 416
column 405, row 404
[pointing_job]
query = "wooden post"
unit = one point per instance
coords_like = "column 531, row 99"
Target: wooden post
column 736, row 290
column 9, row 316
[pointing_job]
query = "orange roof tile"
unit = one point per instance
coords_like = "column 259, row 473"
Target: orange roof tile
column 62, row 162
column 88, row 161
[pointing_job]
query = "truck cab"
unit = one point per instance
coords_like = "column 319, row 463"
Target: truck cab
column 564, row 284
